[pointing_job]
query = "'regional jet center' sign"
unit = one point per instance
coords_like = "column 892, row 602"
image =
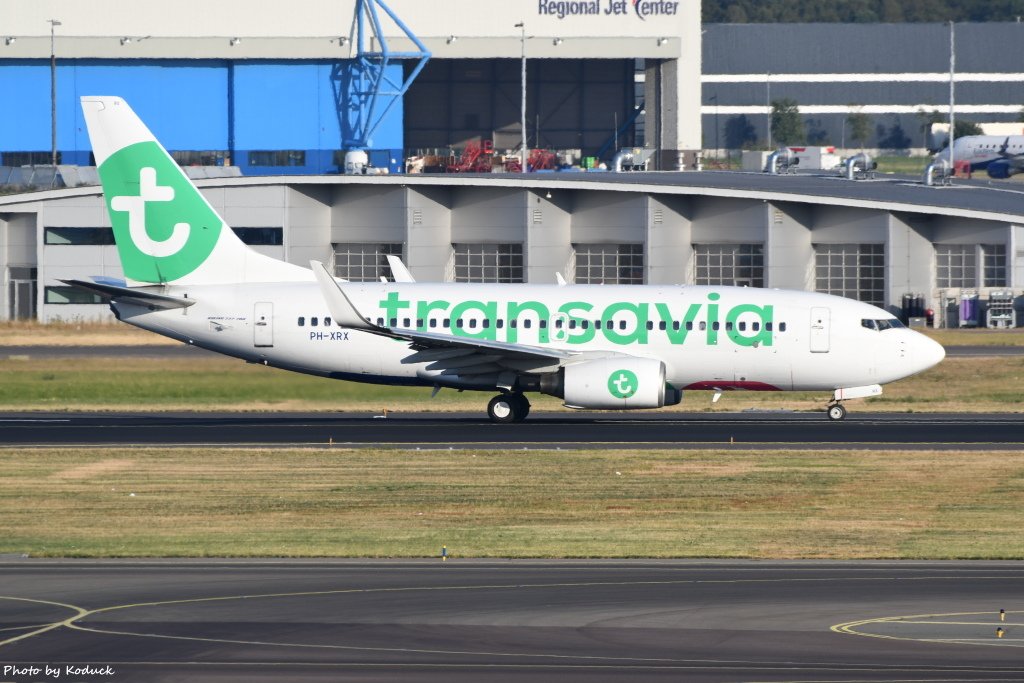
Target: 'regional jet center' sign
column 609, row 8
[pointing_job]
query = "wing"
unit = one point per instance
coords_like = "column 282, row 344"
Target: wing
column 448, row 354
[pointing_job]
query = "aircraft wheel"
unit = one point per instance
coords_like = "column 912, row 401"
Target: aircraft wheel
column 522, row 407
column 836, row 412
column 503, row 408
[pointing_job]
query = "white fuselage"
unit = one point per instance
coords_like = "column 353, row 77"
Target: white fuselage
column 981, row 150
column 708, row 337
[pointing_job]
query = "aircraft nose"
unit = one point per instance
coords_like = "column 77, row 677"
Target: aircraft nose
column 925, row 353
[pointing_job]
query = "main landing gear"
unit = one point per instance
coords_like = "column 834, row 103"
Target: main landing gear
column 508, row 408
column 836, row 411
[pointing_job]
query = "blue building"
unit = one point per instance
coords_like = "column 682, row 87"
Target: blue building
column 268, row 117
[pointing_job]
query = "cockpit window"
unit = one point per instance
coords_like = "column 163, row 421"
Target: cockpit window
column 881, row 325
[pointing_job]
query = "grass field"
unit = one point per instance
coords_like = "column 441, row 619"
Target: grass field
column 528, row 504
column 956, row 385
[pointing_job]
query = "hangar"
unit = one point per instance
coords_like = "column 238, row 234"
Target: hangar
column 281, row 88
column 876, row 241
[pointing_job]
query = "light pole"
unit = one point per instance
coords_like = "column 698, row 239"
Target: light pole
column 952, row 96
column 53, row 93
column 522, row 89
column 717, row 147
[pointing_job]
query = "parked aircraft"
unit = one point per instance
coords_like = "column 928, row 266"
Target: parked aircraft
column 189, row 277
column 1001, row 156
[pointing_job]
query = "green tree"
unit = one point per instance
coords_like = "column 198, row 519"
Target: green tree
column 927, row 118
column 787, row 125
column 964, row 128
column 860, row 127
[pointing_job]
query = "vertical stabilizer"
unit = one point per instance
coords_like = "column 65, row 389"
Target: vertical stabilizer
column 166, row 232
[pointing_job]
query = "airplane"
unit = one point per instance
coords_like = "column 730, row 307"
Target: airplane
column 601, row 347
column 1001, row 156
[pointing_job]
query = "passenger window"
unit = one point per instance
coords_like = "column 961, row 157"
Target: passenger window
column 728, row 326
column 380, row 322
column 597, row 324
column 572, row 324
column 585, row 324
column 447, row 323
column 768, row 326
column 485, row 323
column 302, row 321
column 782, row 327
column 501, row 323
column 513, row 323
column 527, row 323
column 755, row 326
column 472, row 323
column 327, row 322
column 558, row 323
column 394, row 322
column 742, row 326
column 313, row 321
column 675, row 325
column 405, row 323
column 622, row 324
column 662, row 325
column 714, row 326
column 458, row 323
column 433, row 322
column 543, row 324
column 650, row 325
column 703, row 326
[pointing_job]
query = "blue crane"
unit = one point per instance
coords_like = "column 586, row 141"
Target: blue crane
column 370, row 91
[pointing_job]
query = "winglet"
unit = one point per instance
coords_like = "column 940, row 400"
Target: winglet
column 399, row 271
column 338, row 303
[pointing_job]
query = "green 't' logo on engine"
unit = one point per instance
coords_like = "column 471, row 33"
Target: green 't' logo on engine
column 623, row 383
column 163, row 227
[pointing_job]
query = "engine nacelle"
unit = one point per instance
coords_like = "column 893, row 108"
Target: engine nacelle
column 614, row 384
column 1001, row 170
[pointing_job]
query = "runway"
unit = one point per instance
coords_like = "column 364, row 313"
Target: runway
column 542, row 430
column 703, row 621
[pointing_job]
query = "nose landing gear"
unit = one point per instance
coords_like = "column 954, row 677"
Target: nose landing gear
column 836, row 411
column 508, row 408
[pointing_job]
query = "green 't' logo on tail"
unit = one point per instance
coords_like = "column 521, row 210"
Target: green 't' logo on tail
column 163, row 227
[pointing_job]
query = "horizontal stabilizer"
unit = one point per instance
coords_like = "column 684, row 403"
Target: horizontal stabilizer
column 132, row 295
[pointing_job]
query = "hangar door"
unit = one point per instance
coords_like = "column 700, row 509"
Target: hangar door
column 571, row 103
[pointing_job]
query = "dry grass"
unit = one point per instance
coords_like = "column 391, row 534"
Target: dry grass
column 214, row 502
column 956, row 385
column 78, row 334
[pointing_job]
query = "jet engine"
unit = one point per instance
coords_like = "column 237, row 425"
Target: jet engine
column 612, row 384
column 1002, row 169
